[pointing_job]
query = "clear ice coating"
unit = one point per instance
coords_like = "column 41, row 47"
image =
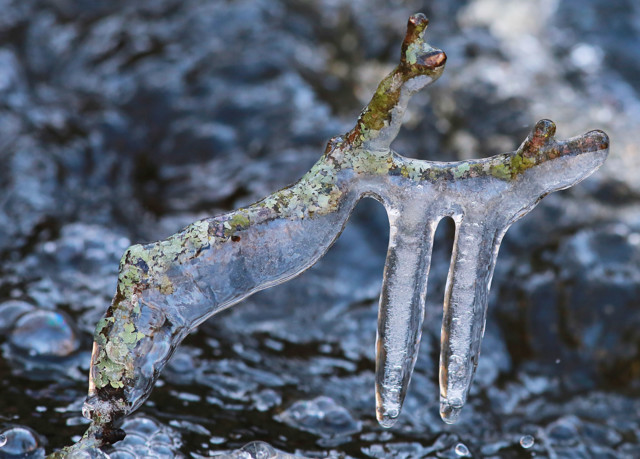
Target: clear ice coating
column 167, row 288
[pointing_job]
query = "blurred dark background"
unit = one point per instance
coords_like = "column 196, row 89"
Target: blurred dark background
column 121, row 122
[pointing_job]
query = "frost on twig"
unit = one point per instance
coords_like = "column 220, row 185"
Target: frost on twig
column 167, row 288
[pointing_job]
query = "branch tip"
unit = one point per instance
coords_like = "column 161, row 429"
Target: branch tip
column 599, row 138
column 416, row 26
column 544, row 128
column 417, row 56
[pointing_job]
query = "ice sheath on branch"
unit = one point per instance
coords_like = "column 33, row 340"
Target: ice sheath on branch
column 167, row 288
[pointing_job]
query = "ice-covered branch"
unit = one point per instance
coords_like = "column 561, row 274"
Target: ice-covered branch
column 420, row 64
column 167, row 288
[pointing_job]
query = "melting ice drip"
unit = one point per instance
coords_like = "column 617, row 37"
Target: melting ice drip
column 167, row 288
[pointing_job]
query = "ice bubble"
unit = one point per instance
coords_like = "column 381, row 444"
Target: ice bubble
column 10, row 311
column 527, row 441
column 462, row 450
column 256, row 450
column 21, row 442
column 321, row 416
column 45, row 333
column 146, row 437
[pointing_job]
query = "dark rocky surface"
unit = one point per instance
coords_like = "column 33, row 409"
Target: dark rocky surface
column 122, row 122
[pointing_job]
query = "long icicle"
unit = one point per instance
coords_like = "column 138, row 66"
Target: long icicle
column 402, row 306
column 465, row 311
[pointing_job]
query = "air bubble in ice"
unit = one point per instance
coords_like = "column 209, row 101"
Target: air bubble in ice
column 321, row 416
column 45, row 333
column 87, row 411
column 255, row 450
column 527, row 441
column 462, row 450
column 20, row 441
column 10, row 311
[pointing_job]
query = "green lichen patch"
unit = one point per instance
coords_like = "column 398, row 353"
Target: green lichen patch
column 521, row 163
column 378, row 113
column 239, row 221
column 461, row 170
column 142, row 267
column 500, row 171
column 385, row 109
column 113, row 364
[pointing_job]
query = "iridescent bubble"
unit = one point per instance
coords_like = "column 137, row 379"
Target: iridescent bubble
column 45, row 333
column 462, row 450
column 527, row 441
column 259, row 450
column 10, row 311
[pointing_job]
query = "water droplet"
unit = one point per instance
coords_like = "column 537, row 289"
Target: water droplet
column 527, row 441
column 462, row 450
column 87, row 411
column 3, row 440
column 557, row 361
column 450, row 412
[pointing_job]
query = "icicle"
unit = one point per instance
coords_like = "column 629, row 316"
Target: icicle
column 465, row 310
column 402, row 305
column 488, row 209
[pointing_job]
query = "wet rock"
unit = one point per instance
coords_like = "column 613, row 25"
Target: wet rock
column 266, row 400
column 29, row 190
column 595, row 264
column 78, row 268
column 564, row 431
column 444, row 446
column 190, row 427
column 578, row 309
